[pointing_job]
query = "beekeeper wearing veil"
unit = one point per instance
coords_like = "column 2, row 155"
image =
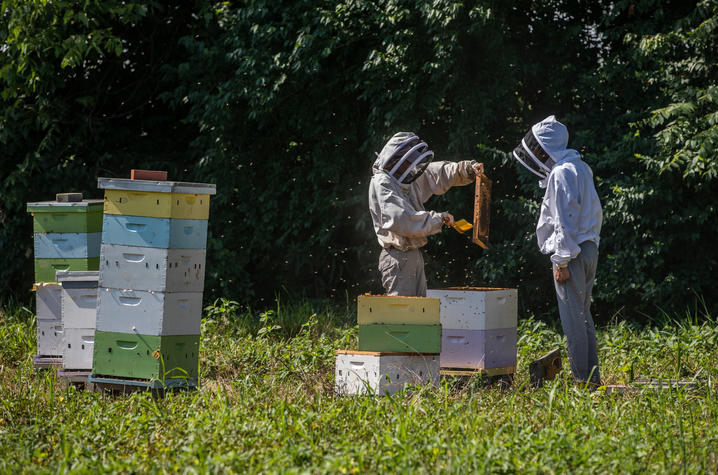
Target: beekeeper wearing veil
column 568, row 229
column 404, row 178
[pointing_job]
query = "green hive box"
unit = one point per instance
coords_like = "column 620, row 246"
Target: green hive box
column 128, row 355
column 74, row 217
column 45, row 269
column 400, row 338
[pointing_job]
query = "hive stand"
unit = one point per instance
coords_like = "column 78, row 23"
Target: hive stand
column 117, row 386
column 76, row 378
column 47, row 362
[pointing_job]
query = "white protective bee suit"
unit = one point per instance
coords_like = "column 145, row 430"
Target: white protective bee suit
column 568, row 229
column 401, row 222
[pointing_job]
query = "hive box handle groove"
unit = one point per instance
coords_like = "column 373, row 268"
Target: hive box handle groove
column 456, row 339
column 131, row 301
column 134, row 227
column 127, row 345
column 133, row 257
column 399, row 334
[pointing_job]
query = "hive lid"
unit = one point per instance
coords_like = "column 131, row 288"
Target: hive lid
column 78, row 276
column 83, row 206
column 157, row 186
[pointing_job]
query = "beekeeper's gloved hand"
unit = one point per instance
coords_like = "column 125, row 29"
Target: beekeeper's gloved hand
column 477, row 167
column 561, row 274
column 447, row 218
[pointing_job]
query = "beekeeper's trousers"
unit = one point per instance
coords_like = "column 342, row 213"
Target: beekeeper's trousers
column 574, row 306
column 402, row 272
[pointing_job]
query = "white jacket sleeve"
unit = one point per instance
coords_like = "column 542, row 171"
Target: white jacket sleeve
column 566, row 210
column 439, row 177
column 400, row 217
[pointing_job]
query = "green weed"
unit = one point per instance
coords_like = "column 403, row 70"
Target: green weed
column 266, row 404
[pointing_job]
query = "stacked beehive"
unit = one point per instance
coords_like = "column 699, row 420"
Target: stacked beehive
column 478, row 329
column 66, row 237
column 79, row 311
column 152, row 270
column 399, row 344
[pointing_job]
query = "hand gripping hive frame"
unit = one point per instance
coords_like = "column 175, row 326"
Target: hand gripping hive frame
column 482, row 211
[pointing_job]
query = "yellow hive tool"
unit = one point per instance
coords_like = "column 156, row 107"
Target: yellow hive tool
column 462, row 226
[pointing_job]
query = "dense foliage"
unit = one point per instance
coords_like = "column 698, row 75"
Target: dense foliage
column 283, row 104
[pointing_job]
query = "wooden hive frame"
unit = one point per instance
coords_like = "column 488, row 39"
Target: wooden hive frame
column 482, row 211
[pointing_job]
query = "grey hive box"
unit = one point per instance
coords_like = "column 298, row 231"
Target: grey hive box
column 153, row 269
column 149, row 313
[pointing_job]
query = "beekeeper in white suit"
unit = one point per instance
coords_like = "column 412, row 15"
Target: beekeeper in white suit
column 568, row 229
column 404, row 178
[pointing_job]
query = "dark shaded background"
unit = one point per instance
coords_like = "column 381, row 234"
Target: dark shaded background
column 282, row 104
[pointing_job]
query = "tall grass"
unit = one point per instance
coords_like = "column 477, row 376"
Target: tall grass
column 267, row 404
column 17, row 333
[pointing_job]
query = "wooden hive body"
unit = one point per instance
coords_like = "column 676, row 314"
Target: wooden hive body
column 359, row 372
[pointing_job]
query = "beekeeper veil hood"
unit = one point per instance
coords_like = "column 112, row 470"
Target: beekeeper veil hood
column 404, row 157
column 543, row 147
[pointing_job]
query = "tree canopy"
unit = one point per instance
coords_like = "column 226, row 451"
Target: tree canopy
column 282, row 104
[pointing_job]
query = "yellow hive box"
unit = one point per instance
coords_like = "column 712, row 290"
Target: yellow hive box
column 391, row 310
column 157, row 204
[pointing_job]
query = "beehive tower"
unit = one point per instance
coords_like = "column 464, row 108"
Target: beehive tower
column 478, row 327
column 66, row 238
column 399, row 344
column 152, row 268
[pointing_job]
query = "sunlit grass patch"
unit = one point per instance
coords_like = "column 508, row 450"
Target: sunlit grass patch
column 267, row 404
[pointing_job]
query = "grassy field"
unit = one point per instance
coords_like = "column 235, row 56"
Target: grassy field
column 266, row 404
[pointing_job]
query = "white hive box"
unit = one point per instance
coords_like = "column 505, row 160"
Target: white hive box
column 79, row 298
column 149, row 313
column 79, row 313
column 78, row 345
column 49, row 337
column 364, row 372
column 48, row 299
column 477, row 308
column 149, row 268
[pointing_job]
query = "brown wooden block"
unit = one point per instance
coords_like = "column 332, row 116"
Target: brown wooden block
column 155, row 175
column 482, row 211
column 545, row 368
column 68, row 197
